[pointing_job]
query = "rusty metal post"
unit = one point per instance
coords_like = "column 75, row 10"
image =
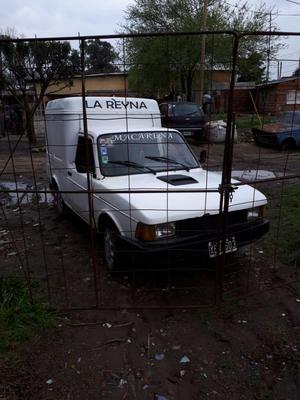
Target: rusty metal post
column 88, row 175
column 225, row 187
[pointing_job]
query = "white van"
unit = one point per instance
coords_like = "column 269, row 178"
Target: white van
column 145, row 180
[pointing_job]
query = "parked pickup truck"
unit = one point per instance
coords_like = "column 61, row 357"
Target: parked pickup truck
column 145, row 180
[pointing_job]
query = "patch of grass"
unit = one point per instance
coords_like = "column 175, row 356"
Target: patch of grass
column 249, row 121
column 246, row 121
column 284, row 216
column 21, row 316
column 216, row 117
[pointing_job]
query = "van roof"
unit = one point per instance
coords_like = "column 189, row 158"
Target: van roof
column 103, row 105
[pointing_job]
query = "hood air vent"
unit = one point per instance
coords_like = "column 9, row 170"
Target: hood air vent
column 177, row 180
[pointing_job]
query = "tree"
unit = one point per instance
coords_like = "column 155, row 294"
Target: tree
column 170, row 63
column 100, row 57
column 296, row 72
column 251, row 68
column 30, row 69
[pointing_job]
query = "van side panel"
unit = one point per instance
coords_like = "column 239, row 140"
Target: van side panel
column 61, row 138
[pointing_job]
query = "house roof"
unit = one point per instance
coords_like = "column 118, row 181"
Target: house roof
column 278, row 81
column 102, row 74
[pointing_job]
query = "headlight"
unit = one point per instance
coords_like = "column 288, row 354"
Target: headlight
column 154, row 232
column 256, row 212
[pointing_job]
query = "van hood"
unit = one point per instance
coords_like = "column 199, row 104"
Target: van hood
column 176, row 202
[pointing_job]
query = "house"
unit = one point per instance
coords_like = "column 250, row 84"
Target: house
column 101, row 84
column 277, row 96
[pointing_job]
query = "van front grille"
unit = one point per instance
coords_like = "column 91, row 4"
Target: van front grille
column 208, row 223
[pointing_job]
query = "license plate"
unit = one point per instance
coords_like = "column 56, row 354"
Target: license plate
column 215, row 248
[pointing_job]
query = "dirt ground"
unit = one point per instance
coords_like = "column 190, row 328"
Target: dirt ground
column 156, row 334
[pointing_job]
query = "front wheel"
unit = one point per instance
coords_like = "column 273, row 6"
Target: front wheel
column 288, row 144
column 111, row 247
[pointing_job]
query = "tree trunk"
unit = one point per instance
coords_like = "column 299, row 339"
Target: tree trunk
column 182, row 84
column 30, row 127
column 189, row 86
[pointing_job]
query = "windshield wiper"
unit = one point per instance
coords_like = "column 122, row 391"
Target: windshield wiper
column 133, row 164
column 168, row 160
column 192, row 113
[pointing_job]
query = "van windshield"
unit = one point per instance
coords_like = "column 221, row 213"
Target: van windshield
column 185, row 109
column 143, row 152
column 290, row 117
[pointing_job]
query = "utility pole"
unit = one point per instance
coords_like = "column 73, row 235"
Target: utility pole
column 202, row 54
column 269, row 45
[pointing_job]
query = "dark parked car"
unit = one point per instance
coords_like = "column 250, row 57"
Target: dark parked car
column 283, row 134
column 186, row 117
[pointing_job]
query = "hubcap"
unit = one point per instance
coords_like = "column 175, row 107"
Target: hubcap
column 59, row 202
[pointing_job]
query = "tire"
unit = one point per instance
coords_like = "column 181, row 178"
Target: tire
column 287, row 144
column 111, row 247
column 59, row 204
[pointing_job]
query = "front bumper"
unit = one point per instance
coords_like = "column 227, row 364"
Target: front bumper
column 244, row 234
column 188, row 132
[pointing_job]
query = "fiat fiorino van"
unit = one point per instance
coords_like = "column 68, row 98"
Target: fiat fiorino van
column 139, row 183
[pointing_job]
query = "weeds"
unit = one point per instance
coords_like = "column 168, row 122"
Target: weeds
column 285, row 224
column 23, row 313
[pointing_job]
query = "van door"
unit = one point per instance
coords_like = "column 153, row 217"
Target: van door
column 77, row 177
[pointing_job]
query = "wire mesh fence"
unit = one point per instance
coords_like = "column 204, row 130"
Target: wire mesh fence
column 109, row 209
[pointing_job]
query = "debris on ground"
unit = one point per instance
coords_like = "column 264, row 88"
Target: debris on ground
column 159, row 356
column 185, row 360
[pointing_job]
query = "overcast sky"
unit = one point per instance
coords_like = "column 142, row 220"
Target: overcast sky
column 90, row 17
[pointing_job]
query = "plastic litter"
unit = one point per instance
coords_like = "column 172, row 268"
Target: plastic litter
column 107, row 325
column 145, row 387
column 185, row 360
column 216, row 131
column 159, row 356
column 122, row 382
column 160, row 397
column 298, row 300
column 49, row 381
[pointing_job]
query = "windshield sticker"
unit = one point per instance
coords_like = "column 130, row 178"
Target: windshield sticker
column 142, row 137
column 103, row 151
column 104, row 159
column 106, row 141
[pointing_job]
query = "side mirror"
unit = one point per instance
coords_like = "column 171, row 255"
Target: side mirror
column 202, row 157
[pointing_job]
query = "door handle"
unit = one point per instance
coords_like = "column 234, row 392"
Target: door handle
column 69, row 173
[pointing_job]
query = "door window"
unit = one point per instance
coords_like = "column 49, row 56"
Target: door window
column 84, row 159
